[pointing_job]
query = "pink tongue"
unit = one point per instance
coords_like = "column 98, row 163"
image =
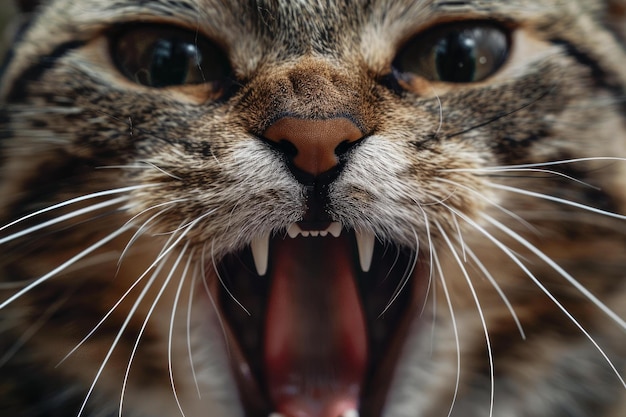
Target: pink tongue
column 315, row 340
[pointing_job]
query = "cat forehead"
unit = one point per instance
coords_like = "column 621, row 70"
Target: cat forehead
column 283, row 26
column 300, row 13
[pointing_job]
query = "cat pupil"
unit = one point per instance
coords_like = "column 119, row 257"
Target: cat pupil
column 172, row 62
column 455, row 58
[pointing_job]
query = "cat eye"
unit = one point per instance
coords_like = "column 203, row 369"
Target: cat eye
column 157, row 56
column 456, row 53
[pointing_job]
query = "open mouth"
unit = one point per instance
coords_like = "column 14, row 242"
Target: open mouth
column 316, row 317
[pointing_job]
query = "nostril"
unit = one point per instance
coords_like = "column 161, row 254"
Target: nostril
column 287, row 148
column 313, row 145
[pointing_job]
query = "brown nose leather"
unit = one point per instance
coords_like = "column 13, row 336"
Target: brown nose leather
column 316, row 141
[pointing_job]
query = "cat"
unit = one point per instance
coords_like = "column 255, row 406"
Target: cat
column 369, row 208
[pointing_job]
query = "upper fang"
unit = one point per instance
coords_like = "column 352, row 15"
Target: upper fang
column 260, row 252
column 365, row 244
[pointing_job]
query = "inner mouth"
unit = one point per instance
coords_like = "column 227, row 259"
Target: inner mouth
column 316, row 317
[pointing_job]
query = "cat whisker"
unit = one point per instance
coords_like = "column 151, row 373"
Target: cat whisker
column 539, row 168
column 159, row 263
column 455, row 328
column 60, row 219
column 498, row 289
column 188, row 329
column 187, row 223
column 142, row 165
column 584, row 291
column 406, row 276
column 76, row 200
column 138, row 233
column 479, row 308
column 167, row 248
column 556, row 200
column 429, row 285
column 478, row 194
column 156, row 300
column 170, row 368
column 156, row 206
column 223, row 283
column 117, row 338
column 212, row 299
column 64, row 266
column 539, row 164
column 507, row 251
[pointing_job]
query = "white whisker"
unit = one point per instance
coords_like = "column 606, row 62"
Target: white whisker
column 189, row 309
column 212, row 300
column 480, row 312
column 584, row 291
column 538, row 283
column 170, row 368
column 63, row 266
column 536, row 165
column 406, row 276
column 499, row 290
column 76, row 200
column 133, row 310
column 138, row 233
column 454, row 329
column 63, row 218
column 160, row 259
column 556, row 199
column 478, row 194
column 141, row 165
column 167, row 248
column 167, row 203
column 223, row 283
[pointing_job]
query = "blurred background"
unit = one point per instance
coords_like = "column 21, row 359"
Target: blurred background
column 7, row 12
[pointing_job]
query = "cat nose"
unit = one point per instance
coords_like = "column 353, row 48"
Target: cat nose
column 314, row 145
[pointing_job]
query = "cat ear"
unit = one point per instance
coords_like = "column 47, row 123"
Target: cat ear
column 27, row 6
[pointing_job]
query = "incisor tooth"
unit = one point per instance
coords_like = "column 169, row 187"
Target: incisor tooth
column 293, row 230
column 276, row 415
column 260, row 252
column 350, row 413
column 334, row 229
column 365, row 244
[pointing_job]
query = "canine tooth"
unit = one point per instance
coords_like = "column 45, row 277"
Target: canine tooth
column 365, row 244
column 334, row 229
column 350, row 413
column 260, row 252
column 294, row 230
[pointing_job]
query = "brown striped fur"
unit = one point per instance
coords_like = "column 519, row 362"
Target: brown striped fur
column 71, row 124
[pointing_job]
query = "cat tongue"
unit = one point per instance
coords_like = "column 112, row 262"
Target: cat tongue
column 315, row 333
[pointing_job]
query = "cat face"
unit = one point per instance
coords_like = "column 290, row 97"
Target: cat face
column 315, row 209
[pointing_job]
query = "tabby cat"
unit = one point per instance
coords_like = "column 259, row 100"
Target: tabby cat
column 305, row 208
